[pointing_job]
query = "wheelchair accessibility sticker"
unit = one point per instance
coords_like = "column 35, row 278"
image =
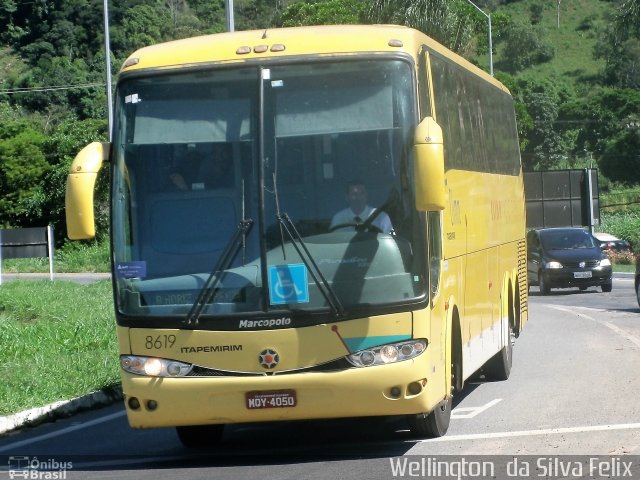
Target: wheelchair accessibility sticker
column 288, row 284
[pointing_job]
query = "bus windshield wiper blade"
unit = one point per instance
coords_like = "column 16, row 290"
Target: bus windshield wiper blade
column 209, row 287
column 324, row 286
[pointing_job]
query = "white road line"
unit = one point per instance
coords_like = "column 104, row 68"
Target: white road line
column 633, row 339
column 57, row 433
column 470, row 412
column 528, row 433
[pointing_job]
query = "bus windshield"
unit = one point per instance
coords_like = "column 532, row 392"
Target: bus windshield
column 255, row 189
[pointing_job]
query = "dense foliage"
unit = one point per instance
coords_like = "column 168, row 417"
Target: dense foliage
column 53, row 95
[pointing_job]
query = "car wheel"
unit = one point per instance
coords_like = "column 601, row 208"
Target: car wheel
column 607, row 287
column 544, row 285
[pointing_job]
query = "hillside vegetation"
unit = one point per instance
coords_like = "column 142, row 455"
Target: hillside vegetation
column 572, row 66
column 572, row 29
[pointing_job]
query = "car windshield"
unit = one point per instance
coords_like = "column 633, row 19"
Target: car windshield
column 566, row 239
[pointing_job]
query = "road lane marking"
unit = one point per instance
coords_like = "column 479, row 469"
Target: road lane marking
column 63, row 431
column 527, row 433
column 633, row 339
column 470, row 412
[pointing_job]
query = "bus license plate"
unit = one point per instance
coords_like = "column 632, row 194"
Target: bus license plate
column 581, row 274
column 271, row 399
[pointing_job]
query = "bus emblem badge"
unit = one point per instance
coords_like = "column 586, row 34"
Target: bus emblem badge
column 268, row 358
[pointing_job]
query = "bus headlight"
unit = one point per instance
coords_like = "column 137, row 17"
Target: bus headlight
column 154, row 367
column 391, row 353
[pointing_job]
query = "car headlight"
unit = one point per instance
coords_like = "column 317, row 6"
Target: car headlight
column 553, row 264
column 154, row 367
column 605, row 262
column 384, row 354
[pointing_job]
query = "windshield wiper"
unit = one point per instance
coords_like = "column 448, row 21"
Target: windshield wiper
column 224, row 262
column 324, row 286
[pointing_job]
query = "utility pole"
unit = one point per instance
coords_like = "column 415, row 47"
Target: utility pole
column 490, row 37
column 107, row 56
column 228, row 4
column 559, row 14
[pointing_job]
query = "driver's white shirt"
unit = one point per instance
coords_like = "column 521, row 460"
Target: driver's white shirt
column 348, row 216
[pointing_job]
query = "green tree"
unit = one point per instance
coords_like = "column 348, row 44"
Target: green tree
column 620, row 47
column 602, row 115
column 524, row 46
column 46, row 204
column 328, row 12
column 620, row 160
column 547, row 146
column 451, row 23
column 22, row 162
column 139, row 26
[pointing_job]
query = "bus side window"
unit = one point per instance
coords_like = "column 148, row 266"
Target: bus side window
column 435, row 251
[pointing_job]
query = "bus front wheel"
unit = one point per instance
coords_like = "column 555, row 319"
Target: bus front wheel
column 195, row 436
column 434, row 423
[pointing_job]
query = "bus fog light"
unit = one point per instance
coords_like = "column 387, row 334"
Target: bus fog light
column 152, row 405
column 414, row 388
column 134, row 403
column 395, row 392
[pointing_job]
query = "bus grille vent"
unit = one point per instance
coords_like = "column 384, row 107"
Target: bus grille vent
column 522, row 278
column 332, row 366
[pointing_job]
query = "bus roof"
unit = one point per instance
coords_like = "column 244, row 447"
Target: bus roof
column 322, row 40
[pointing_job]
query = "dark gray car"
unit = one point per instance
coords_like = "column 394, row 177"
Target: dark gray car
column 566, row 257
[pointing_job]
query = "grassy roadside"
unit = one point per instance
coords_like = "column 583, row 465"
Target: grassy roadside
column 58, row 342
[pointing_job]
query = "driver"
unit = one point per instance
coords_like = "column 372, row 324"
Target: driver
column 358, row 211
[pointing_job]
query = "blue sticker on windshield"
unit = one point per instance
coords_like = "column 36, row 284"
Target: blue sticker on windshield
column 131, row 269
column 288, row 284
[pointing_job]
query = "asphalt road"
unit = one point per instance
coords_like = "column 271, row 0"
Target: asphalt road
column 570, row 407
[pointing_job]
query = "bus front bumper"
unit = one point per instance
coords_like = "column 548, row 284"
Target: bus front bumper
column 396, row 389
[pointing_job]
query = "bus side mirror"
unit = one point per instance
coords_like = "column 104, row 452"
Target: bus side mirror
column 428, row 157
column 81, row 182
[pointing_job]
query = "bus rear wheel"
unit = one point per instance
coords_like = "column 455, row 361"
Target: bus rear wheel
column 196, row 436
column 499, row 366
column 434, row 423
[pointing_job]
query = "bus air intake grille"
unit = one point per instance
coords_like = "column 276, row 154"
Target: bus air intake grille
column 333, row 366
column 522, row 277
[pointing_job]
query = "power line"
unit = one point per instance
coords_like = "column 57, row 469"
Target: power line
column 12, row 91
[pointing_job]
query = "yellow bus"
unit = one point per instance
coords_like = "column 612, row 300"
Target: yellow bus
column 244, row 291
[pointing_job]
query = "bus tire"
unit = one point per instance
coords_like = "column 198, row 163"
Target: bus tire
column 457, row 377
column 197, row 436
column 432, row 424
column 499, row 366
